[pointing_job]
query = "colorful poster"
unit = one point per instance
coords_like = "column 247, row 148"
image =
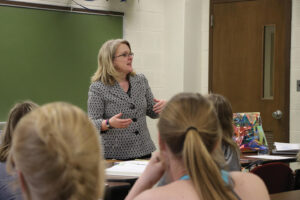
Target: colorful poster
column 249, row 134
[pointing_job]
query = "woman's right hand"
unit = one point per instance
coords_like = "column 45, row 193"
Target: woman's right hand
column 117, row 122
column 153, row 172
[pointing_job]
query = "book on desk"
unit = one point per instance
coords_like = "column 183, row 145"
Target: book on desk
column 286, row 148
column 127, row 168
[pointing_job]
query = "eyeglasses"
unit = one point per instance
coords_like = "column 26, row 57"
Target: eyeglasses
column 125, row 55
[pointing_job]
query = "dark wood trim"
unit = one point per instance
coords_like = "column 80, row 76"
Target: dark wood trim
column 58, row 8
column 227, row 1
column 288, row 69
column 210, row 51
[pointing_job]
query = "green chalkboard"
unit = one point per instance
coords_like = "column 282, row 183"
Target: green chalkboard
column 48, row 56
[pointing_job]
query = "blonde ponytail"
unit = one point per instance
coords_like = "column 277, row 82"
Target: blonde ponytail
column 204, row 172
column 190, row 127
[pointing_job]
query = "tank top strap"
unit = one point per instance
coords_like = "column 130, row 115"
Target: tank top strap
column 225, row 176
column 185, row 177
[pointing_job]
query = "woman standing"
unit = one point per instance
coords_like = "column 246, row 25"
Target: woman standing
column 118, row 102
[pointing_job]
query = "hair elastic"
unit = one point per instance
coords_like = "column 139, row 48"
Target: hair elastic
column 191, row 128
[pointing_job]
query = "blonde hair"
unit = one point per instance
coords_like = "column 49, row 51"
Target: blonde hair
column 190, row 127
column 15, row 114
column 106, row 72
column 225, row 115
column 57, row 150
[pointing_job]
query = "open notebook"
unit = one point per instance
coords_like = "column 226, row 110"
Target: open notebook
column 128, row 168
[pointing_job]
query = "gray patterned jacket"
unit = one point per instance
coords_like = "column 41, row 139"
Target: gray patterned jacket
column 105, row 101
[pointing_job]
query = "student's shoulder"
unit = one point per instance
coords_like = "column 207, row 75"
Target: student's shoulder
column 175, row 190
column 158, row 193
column 245, row 183
column 155, row 193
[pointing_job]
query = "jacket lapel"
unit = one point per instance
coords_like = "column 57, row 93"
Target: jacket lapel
column 136, row 87
column 119, row 92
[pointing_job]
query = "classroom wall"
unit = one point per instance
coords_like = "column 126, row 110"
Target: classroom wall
column 170, row 42
column 295, row 74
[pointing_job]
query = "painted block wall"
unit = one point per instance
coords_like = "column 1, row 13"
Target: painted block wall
column 295, row 74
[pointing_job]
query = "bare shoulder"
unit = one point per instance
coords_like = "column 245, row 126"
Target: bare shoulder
column 179, row 190
column 154, row 193
column 245, row 183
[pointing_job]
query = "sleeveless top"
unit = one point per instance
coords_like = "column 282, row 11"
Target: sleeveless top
column 226, row 178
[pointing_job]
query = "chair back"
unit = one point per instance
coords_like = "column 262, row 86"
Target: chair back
column 277, row 176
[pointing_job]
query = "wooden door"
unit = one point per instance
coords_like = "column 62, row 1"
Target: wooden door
column 249, row 59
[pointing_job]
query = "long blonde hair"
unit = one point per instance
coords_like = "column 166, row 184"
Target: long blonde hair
column 190, row 127
column 106, row 72
column 56, row 148
column 15, row 114
column 225, row 115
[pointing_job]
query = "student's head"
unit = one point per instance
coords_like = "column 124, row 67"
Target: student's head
column 107, row 71
column 15, row 114
column 225, row 115
column 189, row 127
column 56, row 152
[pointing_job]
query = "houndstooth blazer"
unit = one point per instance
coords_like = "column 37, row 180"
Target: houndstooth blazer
column 105, row 101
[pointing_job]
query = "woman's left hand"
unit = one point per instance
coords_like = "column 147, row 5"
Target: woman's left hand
column 160, row 104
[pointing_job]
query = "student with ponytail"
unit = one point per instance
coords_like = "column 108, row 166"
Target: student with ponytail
column 56, row 153
column 190, row 152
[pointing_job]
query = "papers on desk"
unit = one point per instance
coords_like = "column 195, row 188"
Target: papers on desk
column 280, row 146
column 128, row 168
column 270, row 157
column 286, row 148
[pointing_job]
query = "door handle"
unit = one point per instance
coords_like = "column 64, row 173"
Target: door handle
column 277, row 114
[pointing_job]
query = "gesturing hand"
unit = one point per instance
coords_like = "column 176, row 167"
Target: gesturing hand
column 117, row 122
column 160, row 104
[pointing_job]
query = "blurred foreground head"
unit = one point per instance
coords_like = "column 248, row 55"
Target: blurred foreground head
column 56, row 153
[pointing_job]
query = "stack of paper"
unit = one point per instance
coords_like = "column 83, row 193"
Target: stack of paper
column 286, row 148
column 128, row 168
column 270, row 157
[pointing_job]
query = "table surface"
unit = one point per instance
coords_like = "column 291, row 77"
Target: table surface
column 290, row 195
column 245, row 161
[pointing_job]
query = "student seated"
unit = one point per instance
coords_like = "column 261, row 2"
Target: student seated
column 229, row 147
column 189, row 139
column 8, row 190
column 57, row 155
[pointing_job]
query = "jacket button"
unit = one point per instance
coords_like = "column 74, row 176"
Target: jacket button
column 132, row 106
column 134, row 119
column 136, row 132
